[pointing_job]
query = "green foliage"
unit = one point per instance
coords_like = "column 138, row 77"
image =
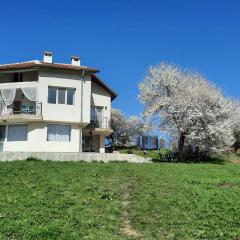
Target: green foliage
column 75, row 200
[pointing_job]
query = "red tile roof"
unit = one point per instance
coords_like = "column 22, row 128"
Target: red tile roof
column 38, row 64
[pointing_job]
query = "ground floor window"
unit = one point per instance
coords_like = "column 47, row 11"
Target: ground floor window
column 17, row 133
column 59, row 133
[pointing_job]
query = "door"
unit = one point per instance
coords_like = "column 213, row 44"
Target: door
column 97, row 116
column 16, row 107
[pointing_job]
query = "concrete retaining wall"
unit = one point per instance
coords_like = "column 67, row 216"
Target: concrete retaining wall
column 61, row 156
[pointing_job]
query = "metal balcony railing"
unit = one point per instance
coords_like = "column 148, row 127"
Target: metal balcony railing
column 99, row 122
column 19, row 107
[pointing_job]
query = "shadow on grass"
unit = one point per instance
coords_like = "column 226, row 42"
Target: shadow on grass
column 211, row 160
column 32, row 159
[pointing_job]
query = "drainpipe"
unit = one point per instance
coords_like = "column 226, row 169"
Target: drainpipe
column 81, row 112
column 82, row 97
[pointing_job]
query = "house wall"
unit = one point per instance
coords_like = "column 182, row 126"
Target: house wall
column 101, row 97
column 93, row 95
column 62, row 112
column 37, row 140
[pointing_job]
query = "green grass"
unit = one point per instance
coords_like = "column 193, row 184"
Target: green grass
column 75, row 200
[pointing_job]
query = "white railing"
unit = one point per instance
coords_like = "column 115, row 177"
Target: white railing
column 99, row 122
column 19, row 107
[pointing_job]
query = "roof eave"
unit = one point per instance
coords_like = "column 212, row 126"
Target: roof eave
column 32, row 65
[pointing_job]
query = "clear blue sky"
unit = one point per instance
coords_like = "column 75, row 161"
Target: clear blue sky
column 122, row 38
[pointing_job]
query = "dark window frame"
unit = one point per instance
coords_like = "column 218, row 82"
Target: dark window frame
column 69, row 96
column 70, row 101
column 50, row 100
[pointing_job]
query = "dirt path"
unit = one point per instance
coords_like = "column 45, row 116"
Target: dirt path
column 128, row 229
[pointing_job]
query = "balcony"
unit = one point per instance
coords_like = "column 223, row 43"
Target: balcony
column 98, row 125
column 99, row 122
column 19, row 102
column 21, row 111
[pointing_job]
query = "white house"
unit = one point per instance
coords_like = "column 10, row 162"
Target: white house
column 53, row 107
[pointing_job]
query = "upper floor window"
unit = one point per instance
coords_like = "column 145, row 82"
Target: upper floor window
column 61, row 95
column 18, row 77
column 52, row 94
column 70, row 96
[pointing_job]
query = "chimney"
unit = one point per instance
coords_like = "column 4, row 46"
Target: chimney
column 75, row 61
column 47, row 57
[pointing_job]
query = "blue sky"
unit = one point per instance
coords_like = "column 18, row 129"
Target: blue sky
column 122, row 38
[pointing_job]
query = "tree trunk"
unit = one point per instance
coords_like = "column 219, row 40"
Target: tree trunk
column 181, row 147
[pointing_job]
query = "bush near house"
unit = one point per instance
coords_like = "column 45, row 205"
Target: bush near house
column 74, row 200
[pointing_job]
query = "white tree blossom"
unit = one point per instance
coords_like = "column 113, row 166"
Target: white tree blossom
column 126, row 129
column 138, row 126
column 187, row 105
column 120, row 127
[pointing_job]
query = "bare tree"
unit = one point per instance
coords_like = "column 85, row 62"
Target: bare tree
column 188, row 106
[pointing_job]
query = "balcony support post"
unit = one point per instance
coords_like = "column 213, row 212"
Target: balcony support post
column 102, row 143
column 80, row 139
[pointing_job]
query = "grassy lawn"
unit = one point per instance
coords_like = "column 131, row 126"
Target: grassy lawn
column 75, row 200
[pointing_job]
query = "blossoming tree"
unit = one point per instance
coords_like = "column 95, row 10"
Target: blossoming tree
column 188, row 106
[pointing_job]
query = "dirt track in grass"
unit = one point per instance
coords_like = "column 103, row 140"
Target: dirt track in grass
column 128, row 229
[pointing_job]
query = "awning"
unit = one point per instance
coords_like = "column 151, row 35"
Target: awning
column 8, row 91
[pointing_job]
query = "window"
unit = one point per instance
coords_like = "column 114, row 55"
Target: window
column 20, row 77
column 58, row 133
column 70, row 96
column 17, row 77
column 2, row 133
column 52, row 94
column 17, row 133
column 61, row 95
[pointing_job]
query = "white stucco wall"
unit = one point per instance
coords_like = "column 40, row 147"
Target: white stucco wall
column 101, row 97
column 37, row 140
column 62, row 112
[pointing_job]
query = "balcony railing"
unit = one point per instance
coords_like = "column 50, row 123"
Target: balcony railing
column 19, row 107
column 99, row 122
